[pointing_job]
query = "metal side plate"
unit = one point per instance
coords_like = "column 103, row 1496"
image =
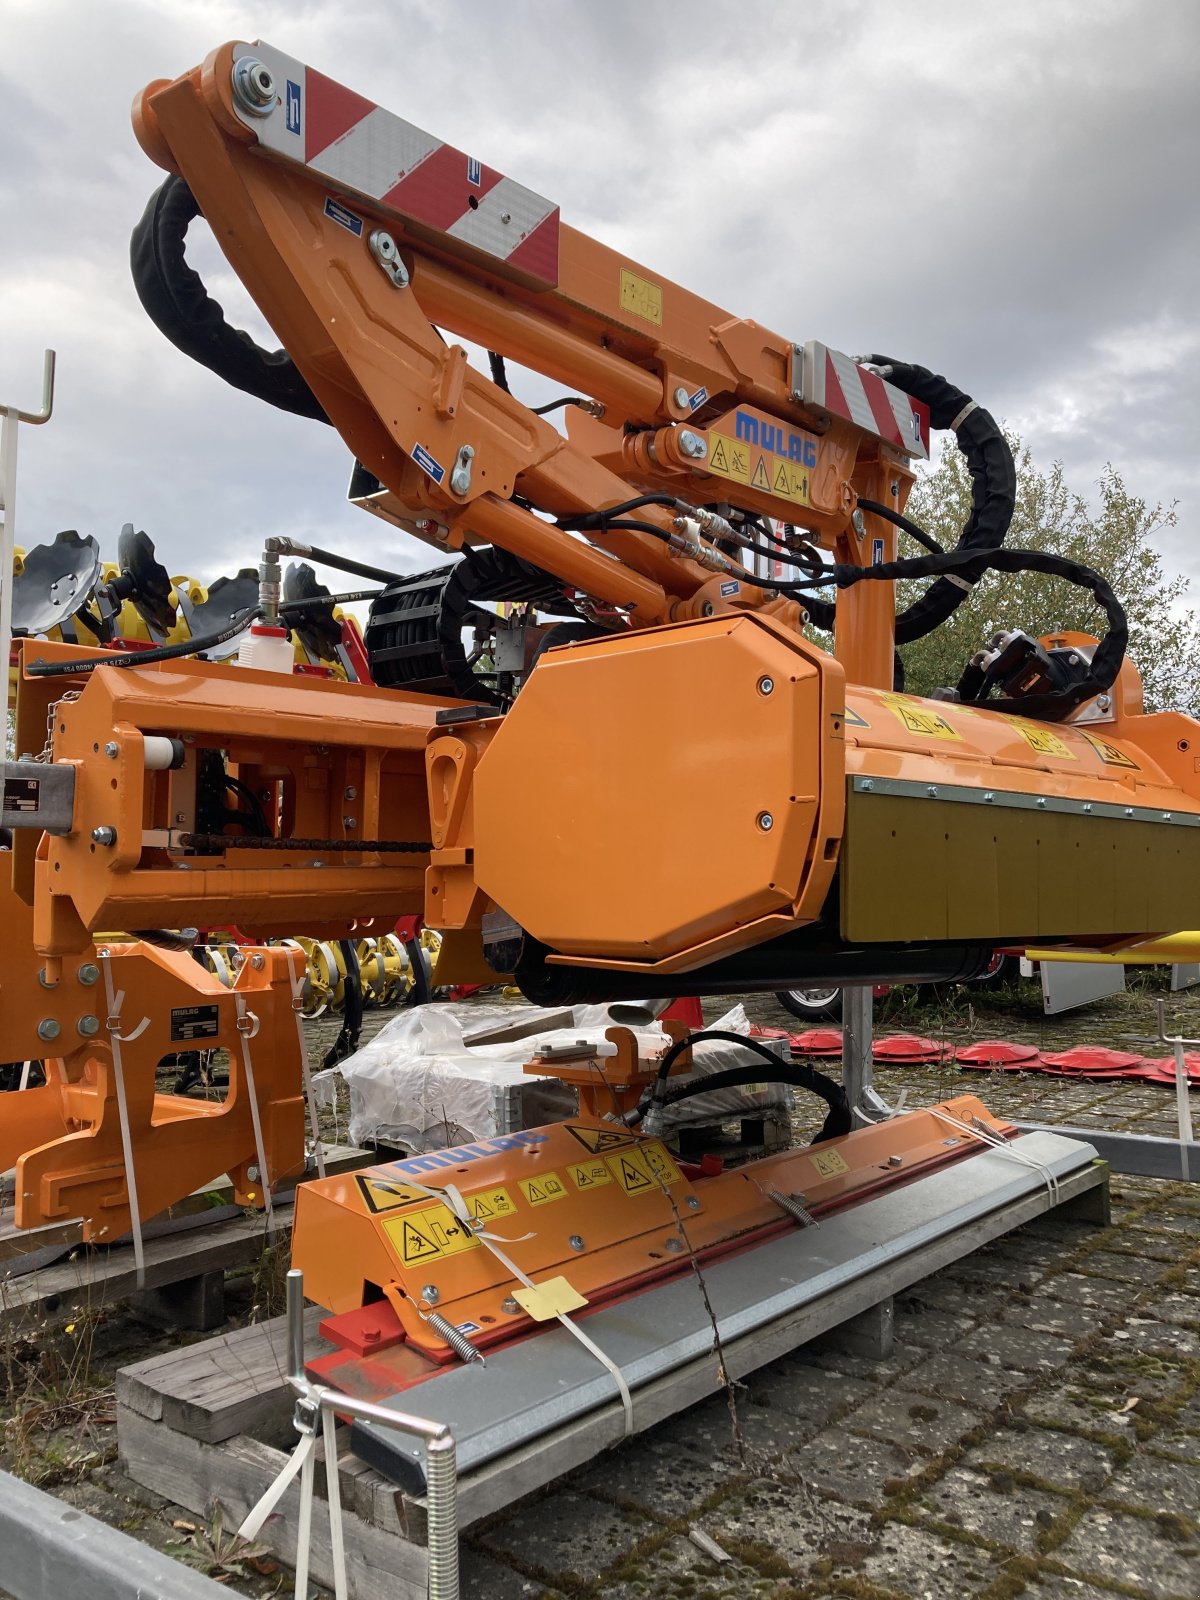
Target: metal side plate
column 544, row 1382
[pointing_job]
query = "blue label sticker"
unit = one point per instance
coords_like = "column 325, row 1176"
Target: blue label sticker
column 336, row 212
column 695, row 401
column 459, row 1155
column 474, row 171
column 731, row 587
column 876, row 552
column 468, row 1327
column 293, row 107
column 426, row 462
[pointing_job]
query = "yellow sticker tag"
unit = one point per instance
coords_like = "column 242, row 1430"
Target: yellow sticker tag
column 422, row 1236
column 381, row 1195
column 541, row 1190
column 919, row 720
column 589, row 1174
column 829, row 1163
column 597, row 1139
column 757, row 468
column 1111, row 755
column 553, row 1298
column 644, row 1169
column 1041, row 739
column 485, row 1204
column 641, row 297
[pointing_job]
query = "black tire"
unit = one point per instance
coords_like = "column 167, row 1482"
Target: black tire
column 812, row 1005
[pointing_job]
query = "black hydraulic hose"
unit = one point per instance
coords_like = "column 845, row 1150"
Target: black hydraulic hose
column 897, row 519
column 993, row 483
column 721, row 1036
column 837, row 1121
column 146, row 658
column 315, row 602
column 331, row 558
column 176, row 301
column 1051, row 706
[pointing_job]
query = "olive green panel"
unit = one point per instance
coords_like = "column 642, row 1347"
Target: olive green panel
column 914, row 868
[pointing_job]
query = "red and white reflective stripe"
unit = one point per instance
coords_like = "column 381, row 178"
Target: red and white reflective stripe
column 839, row 385
column 364, row 150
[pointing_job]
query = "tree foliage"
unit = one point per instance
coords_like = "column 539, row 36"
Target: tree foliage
column 1118, row 537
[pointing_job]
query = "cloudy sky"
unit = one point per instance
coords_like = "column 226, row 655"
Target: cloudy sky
column 1005, row 193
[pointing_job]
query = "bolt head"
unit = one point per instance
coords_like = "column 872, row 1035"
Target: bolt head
column 509, row 1307
column 674, row 1245
column 692, row 444
column 765, row 821
column 88, row 1026
column 681, row 398
column 857, row 521
column 766, row 685
column 693, row 1202
column 430, row 1294
column 576, row 1241
column 351, row 793
column 104, row 835
column 89, row 973
column 258, row 961
column 112, row 750
column 49, row 1028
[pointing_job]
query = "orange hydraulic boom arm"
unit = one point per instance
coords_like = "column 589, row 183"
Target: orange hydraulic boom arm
column 359, row 236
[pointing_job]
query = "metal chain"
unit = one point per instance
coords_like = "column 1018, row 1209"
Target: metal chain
column 66, row 698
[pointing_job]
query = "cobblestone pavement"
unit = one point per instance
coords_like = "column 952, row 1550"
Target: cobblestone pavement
column 1035, row 1433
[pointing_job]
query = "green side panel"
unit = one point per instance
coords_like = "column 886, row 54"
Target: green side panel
column 915, row 868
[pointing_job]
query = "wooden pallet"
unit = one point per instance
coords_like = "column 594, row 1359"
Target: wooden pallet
column 211, row 1424
column 187, row 1254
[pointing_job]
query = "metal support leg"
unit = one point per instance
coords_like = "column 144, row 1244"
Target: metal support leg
column 872, row 1334
column 857, row 1018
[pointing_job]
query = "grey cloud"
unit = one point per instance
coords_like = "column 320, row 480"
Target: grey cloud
column 1004, row 193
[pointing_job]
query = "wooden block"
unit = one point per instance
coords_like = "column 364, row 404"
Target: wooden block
column 236, row 1383
column 234, row 1475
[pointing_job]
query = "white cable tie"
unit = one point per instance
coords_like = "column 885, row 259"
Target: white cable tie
column 245, row 1034
column 971, row 405
column 297, row 982
column 116, row 999
column 965, row 584
column 457, row 1206
column 333, row 1490
column 998, row 1143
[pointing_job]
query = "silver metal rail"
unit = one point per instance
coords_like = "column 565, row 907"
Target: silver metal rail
column 441, row 1466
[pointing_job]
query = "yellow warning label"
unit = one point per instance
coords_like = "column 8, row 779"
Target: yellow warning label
column 485, row 1204
column 589, row 1174
column 643, row 1168
column 758, row 468
column 1041, row 739
column 829, row 1163
column 641, row 297
column 1111, row 755
column 423, row 1236
column 598, row 1139
column 919, row 720
column 383, row 1196
column 541, row 1190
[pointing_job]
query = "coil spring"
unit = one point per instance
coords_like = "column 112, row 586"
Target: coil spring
column 458, row 1342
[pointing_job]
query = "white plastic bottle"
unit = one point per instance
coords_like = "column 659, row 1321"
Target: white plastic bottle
column 267, row 649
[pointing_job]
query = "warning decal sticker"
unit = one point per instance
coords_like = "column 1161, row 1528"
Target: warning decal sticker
column 758, row 468
column 920, row 720
column 641, row 297
column 596, row 1140
column 589, row 1174
column 382, row 1196
column 1111, row 755
column 829, row 1163
column 541, row 1190
column 1041, row 739
column 423, row 1236
column 853, row 720
column 643, row 1169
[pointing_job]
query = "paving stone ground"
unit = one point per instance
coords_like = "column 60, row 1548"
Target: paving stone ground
column 1035, row 1434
